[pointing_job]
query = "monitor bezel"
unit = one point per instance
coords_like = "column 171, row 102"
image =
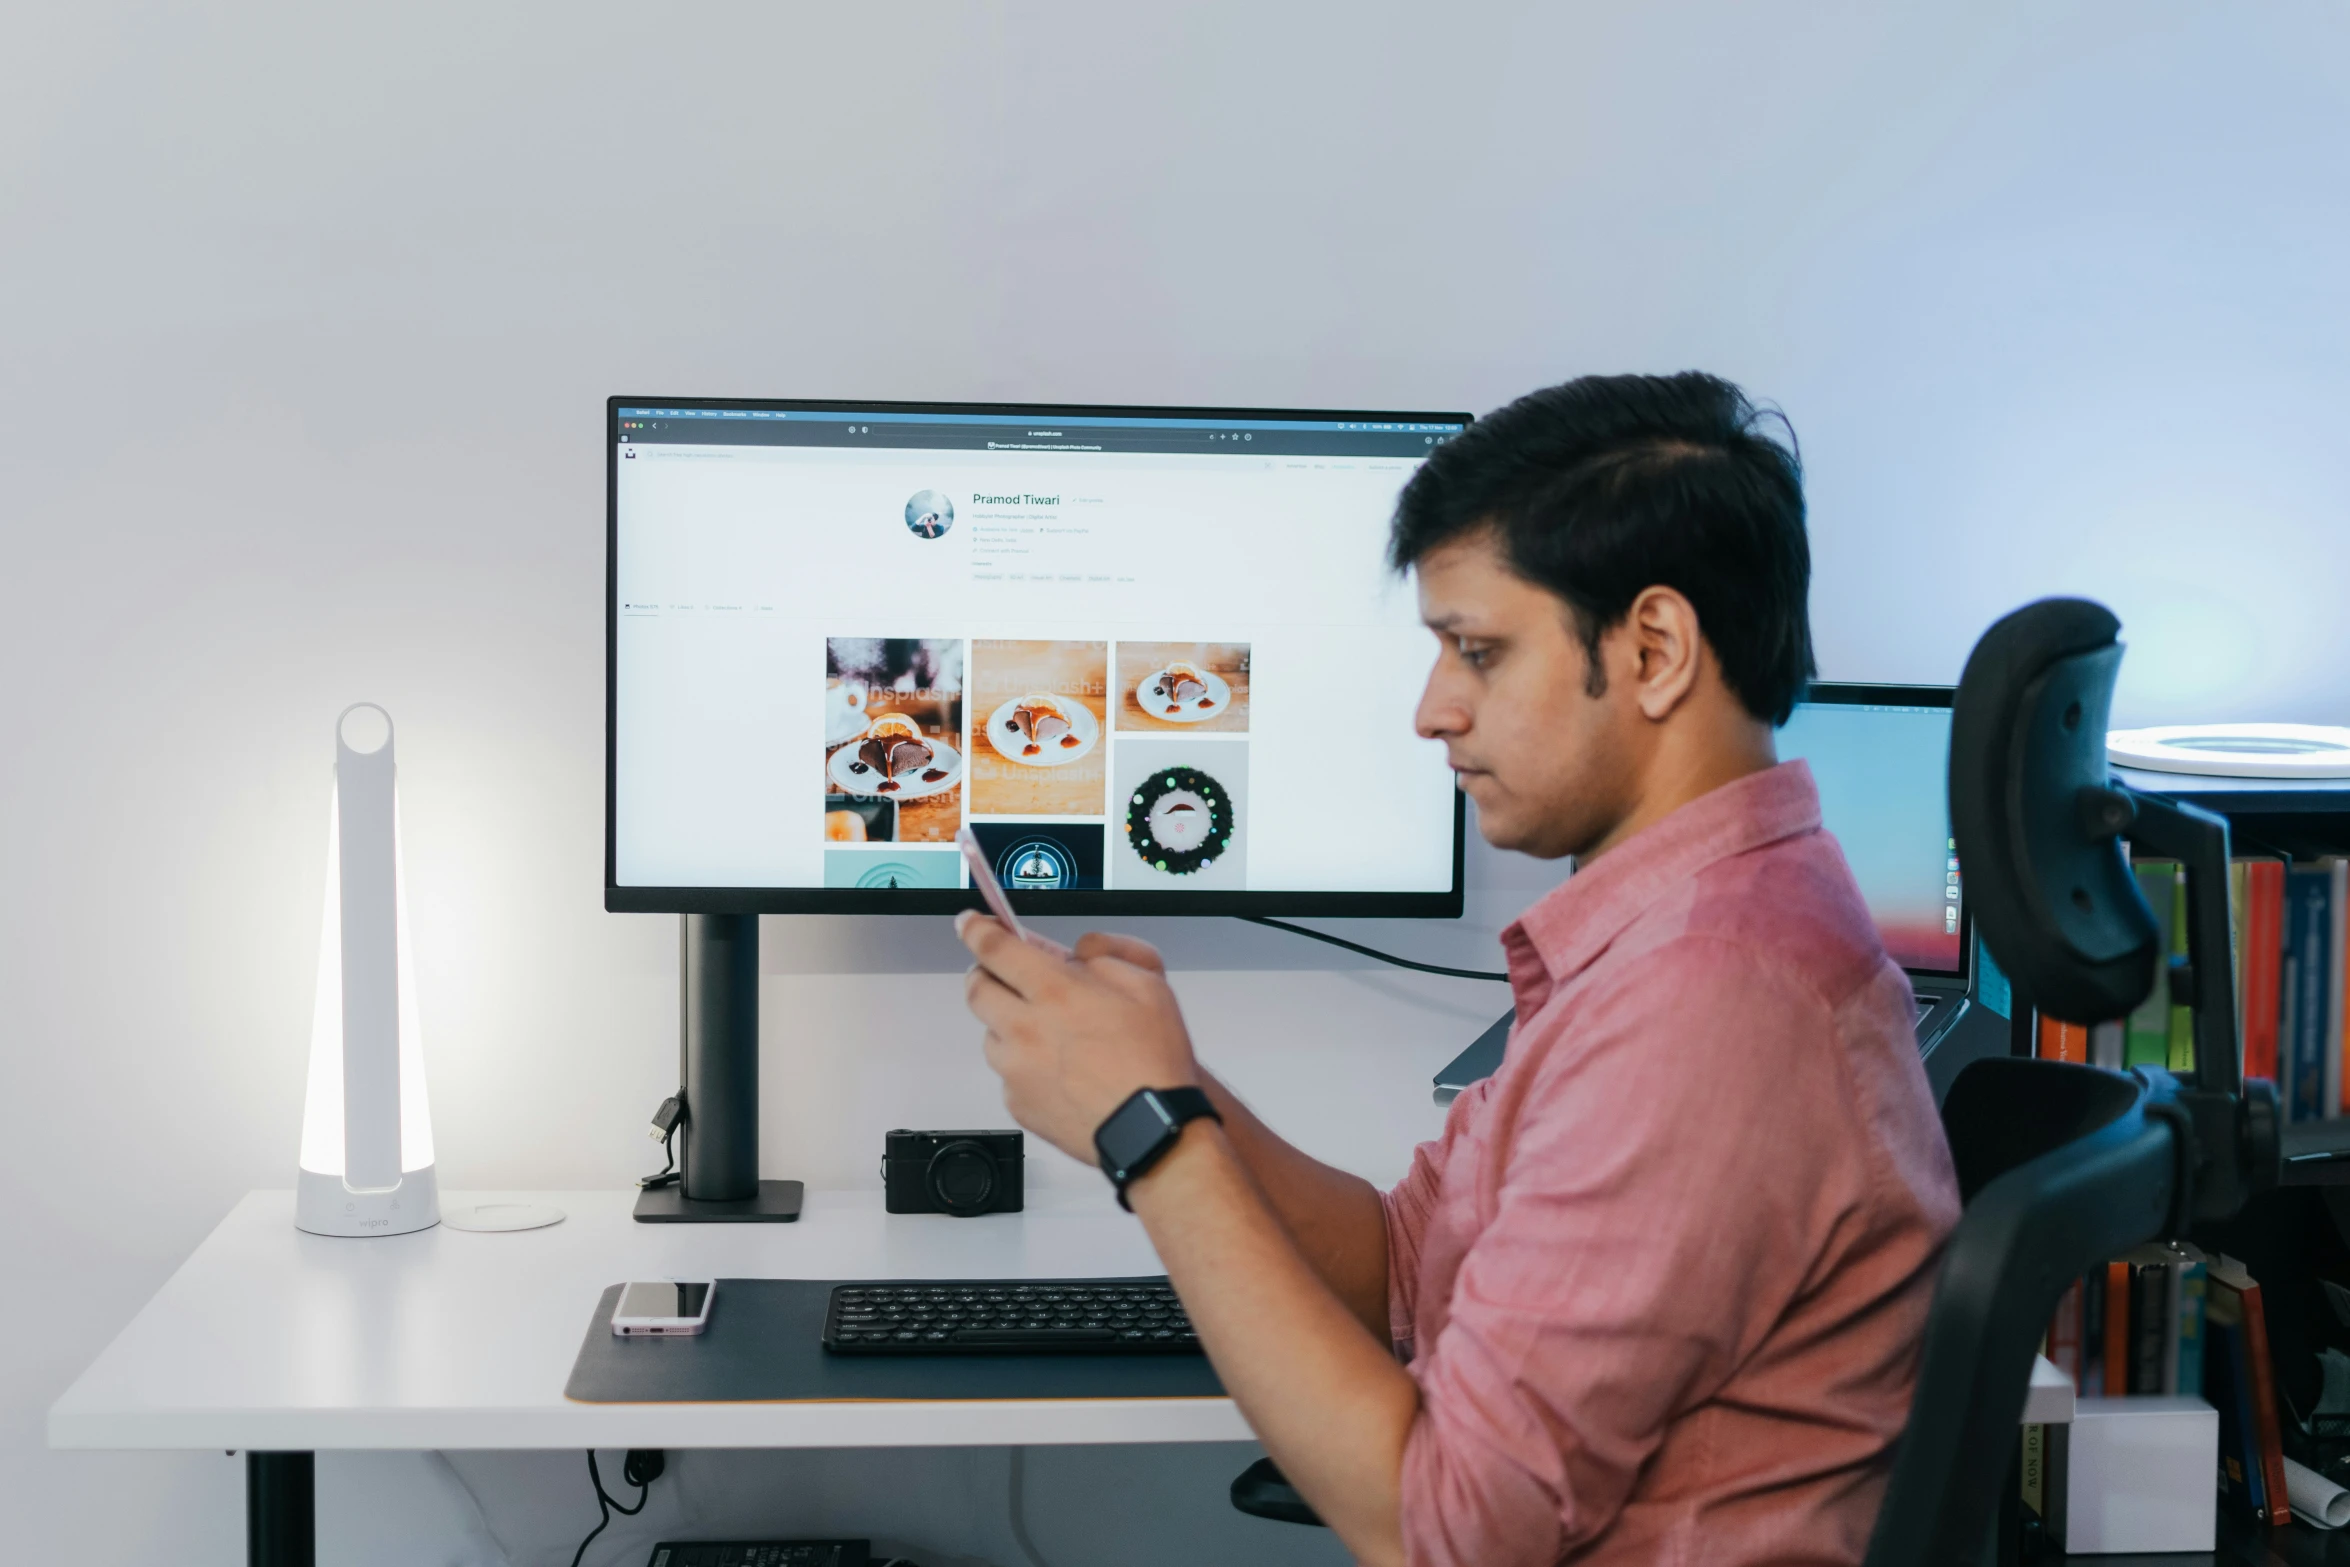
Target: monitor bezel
column 1845, row 693
column 620, row 899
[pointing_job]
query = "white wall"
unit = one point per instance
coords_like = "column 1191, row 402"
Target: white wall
column 307, row 313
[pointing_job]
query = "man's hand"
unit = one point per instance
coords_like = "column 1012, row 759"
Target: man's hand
column 1074, row 1036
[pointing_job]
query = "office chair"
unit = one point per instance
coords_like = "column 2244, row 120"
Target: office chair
column 2060, row 1167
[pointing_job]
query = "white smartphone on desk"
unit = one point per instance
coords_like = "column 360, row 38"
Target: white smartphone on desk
column 664, row 1306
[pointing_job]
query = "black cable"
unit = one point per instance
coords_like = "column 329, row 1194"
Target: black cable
column 667, row 1174
column 1374, row 952
column 666, row 1121
column 606, row 1507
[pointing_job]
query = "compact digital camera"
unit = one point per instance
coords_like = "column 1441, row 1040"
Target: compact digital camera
column 962, row 1173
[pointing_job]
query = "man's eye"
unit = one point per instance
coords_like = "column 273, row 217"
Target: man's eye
column 1473, row 654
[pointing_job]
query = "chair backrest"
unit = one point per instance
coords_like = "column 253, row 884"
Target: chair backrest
column 2053, row 896
column 2061, row 1167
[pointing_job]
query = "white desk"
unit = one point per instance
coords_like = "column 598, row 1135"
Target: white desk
column 268, row 1339
column 276, row 1343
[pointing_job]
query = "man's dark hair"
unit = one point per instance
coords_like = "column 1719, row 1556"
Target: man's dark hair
column 1611, row 484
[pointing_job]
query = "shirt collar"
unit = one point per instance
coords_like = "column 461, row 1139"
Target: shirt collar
column 1559, row 936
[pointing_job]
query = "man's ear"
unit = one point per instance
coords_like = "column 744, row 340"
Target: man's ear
column 1667, row 646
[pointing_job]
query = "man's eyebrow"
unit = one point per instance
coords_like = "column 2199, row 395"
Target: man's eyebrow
column 1449, row 621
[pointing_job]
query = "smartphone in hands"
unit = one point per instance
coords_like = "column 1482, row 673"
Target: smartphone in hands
column 983, row 877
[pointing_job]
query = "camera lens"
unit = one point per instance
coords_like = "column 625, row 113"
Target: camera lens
column 962, row 1178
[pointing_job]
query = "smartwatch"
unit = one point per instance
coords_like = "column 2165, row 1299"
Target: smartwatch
column 1139, row 1132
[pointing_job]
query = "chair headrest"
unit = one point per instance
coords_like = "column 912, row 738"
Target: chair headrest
column 2047, row 876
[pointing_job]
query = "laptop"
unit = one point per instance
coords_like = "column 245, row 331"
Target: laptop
column 1881, row 757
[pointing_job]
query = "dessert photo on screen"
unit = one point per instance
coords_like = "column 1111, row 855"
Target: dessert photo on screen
column 1181, row 819
column 1043, row 856
column 1183, row 687
column 850, row 818
column 893, row 732
column 1037, row 715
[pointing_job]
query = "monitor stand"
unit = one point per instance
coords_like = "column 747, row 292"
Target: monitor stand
column 719, row 1181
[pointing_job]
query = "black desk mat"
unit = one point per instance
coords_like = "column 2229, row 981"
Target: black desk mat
column 765, row 1344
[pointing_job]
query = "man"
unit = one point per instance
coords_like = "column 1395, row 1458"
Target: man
column 1656, row 1293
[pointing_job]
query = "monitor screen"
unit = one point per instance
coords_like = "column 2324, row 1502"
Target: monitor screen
column 1153, row 658
column 1881, row 757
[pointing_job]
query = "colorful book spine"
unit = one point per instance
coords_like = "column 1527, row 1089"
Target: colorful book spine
column 2064, row 1335
column 2063, row 1041
column 2092, row 1378
column 2259, row 1373
column 2148, row 1026
column 2117, row 1329
column 2228, row 1389
column 2190, row 1309
column 2309, row 962
column 2181, row 1030
column 2260, row 946
column 2338, row 913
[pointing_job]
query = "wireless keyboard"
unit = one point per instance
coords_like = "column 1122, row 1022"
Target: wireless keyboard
column 1009, row 1317
column 761, row 1553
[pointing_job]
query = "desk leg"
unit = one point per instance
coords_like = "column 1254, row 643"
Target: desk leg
column 281, row 1510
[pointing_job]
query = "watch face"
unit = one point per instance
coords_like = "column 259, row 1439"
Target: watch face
column 1131, row 1132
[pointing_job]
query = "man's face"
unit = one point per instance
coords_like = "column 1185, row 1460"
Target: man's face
column 1551, row 767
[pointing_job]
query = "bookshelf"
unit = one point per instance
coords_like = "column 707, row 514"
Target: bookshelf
column 2292, row 1238
column 2297, row 819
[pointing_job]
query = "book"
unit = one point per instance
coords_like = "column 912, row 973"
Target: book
column 2035, row 1438
column 2190, row 1307
column 2338, row 912
column 2063, row 1041
column 2228, row 1389
column 2092, row 1378
column 2064, row 1334
column 2117, row 1329
column 2150, row 1318
column 2147, row 1029
column 2309, row 964
column 2181, row 1026
column 2260, row 953
column 2239, row 1295
column 2108, row 1045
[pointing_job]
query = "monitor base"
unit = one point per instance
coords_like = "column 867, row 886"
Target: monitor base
column 778, row 1202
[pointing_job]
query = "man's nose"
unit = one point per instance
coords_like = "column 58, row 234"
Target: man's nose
column 1441, row 714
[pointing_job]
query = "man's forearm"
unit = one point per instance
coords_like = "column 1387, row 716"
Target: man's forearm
column 1334, row 1218
column 1323, row 1392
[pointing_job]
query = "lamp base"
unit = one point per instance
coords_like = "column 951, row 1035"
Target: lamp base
column 778, row 1202
column 323, row 1205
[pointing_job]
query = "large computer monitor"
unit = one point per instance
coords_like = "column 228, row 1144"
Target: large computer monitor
column 1153, row 657
column 1880, row 755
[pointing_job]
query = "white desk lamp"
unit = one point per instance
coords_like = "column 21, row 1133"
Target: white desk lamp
column 366, row 1164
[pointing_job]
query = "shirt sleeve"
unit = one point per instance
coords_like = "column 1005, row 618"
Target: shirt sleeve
column 1649, row 1226
column 1406, row 1209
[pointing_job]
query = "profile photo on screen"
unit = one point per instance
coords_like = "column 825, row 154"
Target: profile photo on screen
column 929, row 514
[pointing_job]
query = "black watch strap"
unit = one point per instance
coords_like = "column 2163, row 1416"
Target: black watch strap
column 1139, row 1132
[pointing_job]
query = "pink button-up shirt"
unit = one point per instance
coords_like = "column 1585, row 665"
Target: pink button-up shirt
column 1663, row 1277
